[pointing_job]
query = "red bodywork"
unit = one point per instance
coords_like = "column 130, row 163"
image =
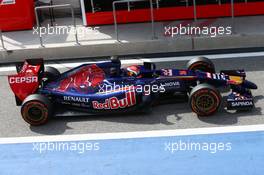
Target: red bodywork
column 18, row 15
column 26, row 82
column 88, row 76
column 175, row 13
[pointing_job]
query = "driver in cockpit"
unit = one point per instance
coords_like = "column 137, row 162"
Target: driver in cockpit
column 130, row 71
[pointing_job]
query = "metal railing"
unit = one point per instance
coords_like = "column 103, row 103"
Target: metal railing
column 157, row 4
column 152, row 14
column 128, row 1
column 2, row 40
column 232, row 9
column 194, row 10
column 219, row 2
column 115, row 17
column 92, row 5
column 57, row 7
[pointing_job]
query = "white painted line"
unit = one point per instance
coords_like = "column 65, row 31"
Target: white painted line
column 215, row 56
column 72, row 65
column 7, row 69
column 141, row 60
column 130, row 135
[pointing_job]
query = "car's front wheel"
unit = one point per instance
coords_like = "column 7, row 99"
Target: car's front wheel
column 36, row 109
column 202, row 64
column 204, row 99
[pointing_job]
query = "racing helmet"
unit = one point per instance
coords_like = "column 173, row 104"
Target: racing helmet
column 114, row 72
column 133, row 71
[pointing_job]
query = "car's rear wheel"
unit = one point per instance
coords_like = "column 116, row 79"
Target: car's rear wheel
column 201, row 63
column 204, row 99
column 36, row 109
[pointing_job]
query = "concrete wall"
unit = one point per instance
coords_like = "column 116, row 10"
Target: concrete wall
column 144, row 47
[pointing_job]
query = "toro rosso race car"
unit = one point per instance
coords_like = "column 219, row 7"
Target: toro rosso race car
column 107, row 87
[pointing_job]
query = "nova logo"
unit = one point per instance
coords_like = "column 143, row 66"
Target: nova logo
column 242, row 103
column 19, row 80
column 170, row 84
column 76, row 99
column 115, row 103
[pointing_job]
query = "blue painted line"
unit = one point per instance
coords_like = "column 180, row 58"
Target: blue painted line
column 142, row 156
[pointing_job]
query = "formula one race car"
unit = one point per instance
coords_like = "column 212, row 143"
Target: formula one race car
column 107, row 87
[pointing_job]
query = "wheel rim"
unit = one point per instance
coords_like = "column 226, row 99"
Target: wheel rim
column 35, row 112
column 201, row 68
column 205, row 102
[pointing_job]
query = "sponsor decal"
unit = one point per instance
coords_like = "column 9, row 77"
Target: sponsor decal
column 19, row 80
column 209, row 75
column 7, row 2
column 171, row 84
column 242, row 103
column 167, row 72
column 76, row 99
column 219, row 76
column 183, row 72
column 115, row 103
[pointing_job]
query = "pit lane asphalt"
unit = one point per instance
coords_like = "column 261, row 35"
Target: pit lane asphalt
column 164, row 117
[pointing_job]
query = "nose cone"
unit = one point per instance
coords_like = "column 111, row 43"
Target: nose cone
column 249, row 85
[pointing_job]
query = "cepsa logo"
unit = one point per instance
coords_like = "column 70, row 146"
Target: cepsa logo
column 115, row 103
column 19, row 80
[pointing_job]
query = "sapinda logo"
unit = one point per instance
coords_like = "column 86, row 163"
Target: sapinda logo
column 19, row 80
column 242, row 103
column 115, row 103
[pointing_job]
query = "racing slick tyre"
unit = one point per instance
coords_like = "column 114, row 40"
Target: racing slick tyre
column 36, row 109
column 51, row 73
column 201, row 63
column 204, row 99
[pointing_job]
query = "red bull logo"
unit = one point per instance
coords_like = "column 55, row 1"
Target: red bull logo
column 115, row 103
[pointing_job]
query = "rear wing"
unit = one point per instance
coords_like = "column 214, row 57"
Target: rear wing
column 27, row 79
